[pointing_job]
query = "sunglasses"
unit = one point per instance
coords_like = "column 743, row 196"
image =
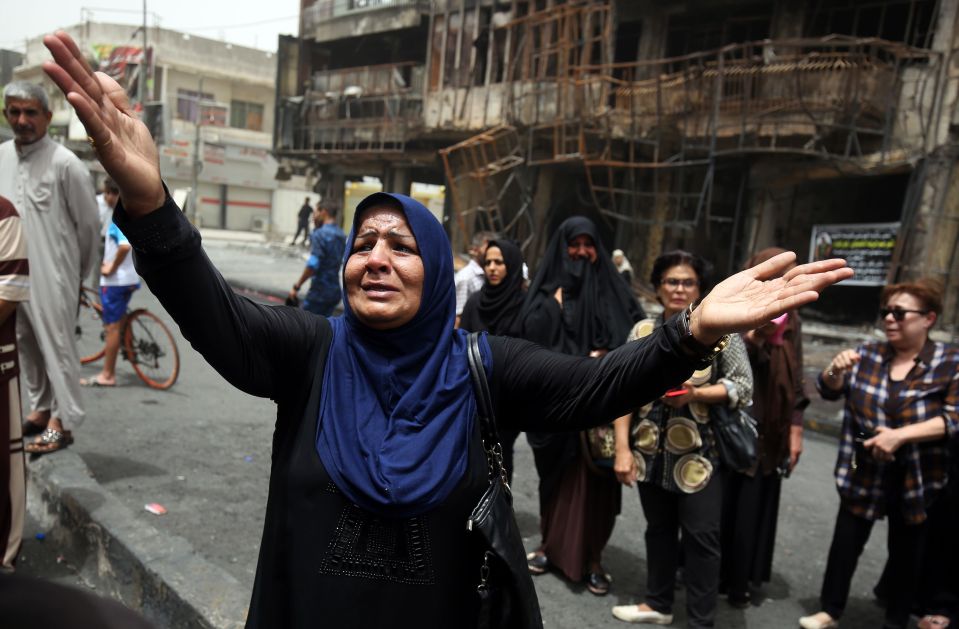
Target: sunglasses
column 674, row 282
column 898, row 313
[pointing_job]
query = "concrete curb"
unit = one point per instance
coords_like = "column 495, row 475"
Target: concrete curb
column 160, row 575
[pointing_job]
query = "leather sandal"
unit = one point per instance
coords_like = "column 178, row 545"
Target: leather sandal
column 537, row 563
column 598, row 583
column 49, row 441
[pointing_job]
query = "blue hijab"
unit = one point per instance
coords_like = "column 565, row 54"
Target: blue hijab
column 397, row 406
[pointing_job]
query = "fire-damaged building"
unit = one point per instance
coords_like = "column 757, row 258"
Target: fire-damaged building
column 718, row 126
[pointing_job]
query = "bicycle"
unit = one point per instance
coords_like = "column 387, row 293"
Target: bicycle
column 146, row 342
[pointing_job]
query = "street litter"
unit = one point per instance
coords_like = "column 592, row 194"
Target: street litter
column 155, row 508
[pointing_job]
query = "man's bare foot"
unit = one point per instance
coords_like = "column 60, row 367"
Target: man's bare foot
column 35, row 423
column 39, row 416
column 98, row 381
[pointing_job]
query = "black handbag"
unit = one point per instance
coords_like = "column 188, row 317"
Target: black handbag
column 737, row 438
column 507, row 596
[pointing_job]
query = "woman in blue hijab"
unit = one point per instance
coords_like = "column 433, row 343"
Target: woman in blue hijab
column 377, row 461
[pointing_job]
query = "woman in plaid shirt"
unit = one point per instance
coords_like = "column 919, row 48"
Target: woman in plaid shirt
column 901, row 406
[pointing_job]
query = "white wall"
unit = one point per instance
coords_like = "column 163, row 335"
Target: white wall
column 287, row 201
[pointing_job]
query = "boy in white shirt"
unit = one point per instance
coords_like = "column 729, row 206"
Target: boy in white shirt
column 118, row 281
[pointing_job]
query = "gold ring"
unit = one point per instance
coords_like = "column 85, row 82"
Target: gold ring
column 93, row 143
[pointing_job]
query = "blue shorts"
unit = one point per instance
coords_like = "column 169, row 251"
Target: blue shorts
column 115, row 300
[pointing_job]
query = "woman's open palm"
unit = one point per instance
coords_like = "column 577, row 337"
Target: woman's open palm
column 757, row 295
column 122, row 142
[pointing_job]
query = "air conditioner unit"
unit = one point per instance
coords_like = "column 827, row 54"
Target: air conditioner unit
column 259, row 223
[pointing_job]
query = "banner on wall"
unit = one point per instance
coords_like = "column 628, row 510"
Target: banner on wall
column 866, row 247
column 115, row 61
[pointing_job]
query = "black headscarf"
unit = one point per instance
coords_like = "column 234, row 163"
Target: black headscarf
column 598, row 308
column 496, row 309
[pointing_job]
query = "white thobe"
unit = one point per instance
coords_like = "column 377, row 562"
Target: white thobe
column 54, row 194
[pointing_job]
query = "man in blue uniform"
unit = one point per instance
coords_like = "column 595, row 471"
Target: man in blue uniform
column 327, row 243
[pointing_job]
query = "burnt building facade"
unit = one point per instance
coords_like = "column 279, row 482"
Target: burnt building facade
column 717, row 126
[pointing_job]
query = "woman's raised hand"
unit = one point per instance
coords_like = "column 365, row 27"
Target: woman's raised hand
column 122, row 142
column 757, row 295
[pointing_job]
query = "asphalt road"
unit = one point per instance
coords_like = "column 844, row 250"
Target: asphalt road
column 202, row 449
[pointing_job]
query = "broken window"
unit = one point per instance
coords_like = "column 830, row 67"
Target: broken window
column 907, row 21
column 697, row 31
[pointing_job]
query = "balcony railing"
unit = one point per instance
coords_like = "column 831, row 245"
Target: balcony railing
column 390, row 78
column 837, row 96
column 366, row 109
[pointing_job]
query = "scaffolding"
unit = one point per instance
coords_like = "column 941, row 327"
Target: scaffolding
column 481, row 173
column 648, row 134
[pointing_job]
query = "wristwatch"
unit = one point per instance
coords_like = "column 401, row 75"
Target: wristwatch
column 703, row 354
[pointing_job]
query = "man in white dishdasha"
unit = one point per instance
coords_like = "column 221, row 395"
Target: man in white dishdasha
column 54, row 194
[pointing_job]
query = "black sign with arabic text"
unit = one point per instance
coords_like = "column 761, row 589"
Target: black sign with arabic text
column 866, row 247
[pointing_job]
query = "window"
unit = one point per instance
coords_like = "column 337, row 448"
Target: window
column 908, row 21
column 244, row 115
column 703, row 30
column 187, row 103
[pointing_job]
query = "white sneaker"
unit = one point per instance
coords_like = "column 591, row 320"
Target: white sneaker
column 820, row 620
column 632, row 613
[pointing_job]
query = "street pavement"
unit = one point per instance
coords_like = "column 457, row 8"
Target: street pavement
column 202, row 449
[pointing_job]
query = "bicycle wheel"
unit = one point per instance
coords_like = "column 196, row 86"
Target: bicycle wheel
column 89, row 329
column 151, row 350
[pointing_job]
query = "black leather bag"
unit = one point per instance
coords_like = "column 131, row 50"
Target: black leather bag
column 737, row 438
column 507, row 597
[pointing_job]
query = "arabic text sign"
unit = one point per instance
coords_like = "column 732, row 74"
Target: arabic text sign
column 866, row 247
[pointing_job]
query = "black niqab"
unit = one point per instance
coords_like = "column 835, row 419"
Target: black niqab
column 598, row 308
column 496, row 309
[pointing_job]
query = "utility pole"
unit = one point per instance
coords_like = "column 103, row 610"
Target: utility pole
column 195, row 185
column 142, row 82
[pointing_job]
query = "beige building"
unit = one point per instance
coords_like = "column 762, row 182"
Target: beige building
column 719, row 126
column 227, row 89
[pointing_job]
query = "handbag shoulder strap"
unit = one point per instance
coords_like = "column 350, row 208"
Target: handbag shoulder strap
column 484, row 403
column 484, row 408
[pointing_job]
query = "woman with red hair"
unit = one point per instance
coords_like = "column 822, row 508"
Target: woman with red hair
column 902, row 405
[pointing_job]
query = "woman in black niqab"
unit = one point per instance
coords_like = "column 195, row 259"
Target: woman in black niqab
column 577, row 507
column 598, row 308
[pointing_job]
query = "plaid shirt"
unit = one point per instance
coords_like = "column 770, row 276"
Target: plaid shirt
column 931, row 389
